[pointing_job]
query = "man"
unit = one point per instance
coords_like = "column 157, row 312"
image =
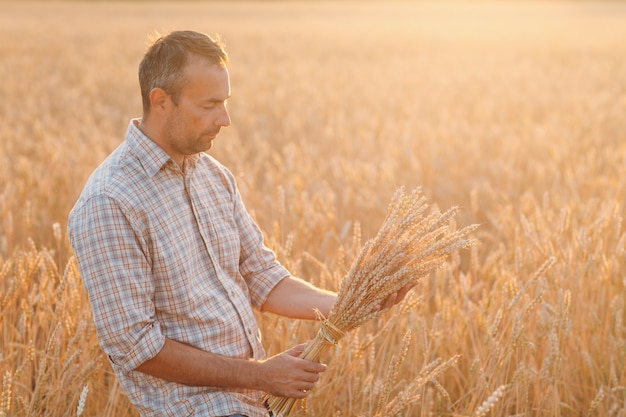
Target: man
column 172, row 262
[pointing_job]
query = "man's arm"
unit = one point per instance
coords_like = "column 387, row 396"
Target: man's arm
column 297, row 299
column 283, row 375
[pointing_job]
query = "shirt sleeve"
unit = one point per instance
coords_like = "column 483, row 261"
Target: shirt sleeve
column 258, row 264
column 113, row 260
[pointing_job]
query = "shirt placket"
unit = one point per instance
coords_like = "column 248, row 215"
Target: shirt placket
column 235, row 295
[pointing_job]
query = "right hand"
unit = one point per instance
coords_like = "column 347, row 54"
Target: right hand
column 287, row 375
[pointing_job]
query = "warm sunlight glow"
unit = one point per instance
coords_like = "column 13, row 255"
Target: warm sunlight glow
column 514, row 111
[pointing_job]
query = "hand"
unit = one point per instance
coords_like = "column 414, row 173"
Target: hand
column 396, row 297
column 287, row 375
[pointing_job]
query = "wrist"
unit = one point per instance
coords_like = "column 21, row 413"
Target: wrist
column 250, row 371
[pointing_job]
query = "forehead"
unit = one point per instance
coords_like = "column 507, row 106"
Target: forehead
column 205, row 78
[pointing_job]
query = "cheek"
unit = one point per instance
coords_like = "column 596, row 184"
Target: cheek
column 208, row 120
column 201, row 118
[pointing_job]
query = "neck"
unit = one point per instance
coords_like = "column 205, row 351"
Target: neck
column 155, row 135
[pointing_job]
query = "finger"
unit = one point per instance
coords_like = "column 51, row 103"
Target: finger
column 298, row 394
column 300, row 391
column 386, row 304
column 391, row 300
column 306, row 388
column 297, row 350
column 309, row 377
column 313, row 367
column 404, row 291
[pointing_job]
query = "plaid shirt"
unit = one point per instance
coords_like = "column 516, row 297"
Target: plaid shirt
column 165, row 252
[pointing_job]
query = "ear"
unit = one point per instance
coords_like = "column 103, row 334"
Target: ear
column 159, row 99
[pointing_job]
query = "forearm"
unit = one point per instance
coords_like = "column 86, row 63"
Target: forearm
column 187, row 365
column 284, row 375
column 297, row 299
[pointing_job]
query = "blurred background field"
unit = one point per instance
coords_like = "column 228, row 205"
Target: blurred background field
column 516, row 111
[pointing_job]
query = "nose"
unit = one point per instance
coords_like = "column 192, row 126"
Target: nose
column 223, row 119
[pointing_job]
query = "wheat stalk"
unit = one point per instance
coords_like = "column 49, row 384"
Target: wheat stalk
column 409, row 245
column 5, row 405
column 82, row 400
column 490, row 402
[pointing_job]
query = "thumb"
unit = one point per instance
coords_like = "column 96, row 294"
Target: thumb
column 297, row 350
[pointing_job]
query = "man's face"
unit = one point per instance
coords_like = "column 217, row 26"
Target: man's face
column 193, row 124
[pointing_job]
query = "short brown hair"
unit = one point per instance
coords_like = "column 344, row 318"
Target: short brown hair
column 164, row 63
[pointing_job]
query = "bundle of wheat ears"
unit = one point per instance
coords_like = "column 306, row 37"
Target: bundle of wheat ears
column 413, row 241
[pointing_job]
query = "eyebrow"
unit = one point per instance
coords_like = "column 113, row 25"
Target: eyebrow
column 215, row 100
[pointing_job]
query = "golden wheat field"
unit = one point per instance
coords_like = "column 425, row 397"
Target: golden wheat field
column 515, row 111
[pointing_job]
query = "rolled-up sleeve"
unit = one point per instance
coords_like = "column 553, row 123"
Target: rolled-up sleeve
column 113, row 260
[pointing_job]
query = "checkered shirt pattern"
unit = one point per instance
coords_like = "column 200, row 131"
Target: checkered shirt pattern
column 171, row 253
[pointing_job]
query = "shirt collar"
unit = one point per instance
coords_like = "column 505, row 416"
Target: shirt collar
column 151, row 155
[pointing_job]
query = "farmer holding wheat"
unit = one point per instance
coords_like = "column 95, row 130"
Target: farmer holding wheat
column 172, row 262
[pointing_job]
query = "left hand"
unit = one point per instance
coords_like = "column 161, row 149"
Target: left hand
column 396, row 297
